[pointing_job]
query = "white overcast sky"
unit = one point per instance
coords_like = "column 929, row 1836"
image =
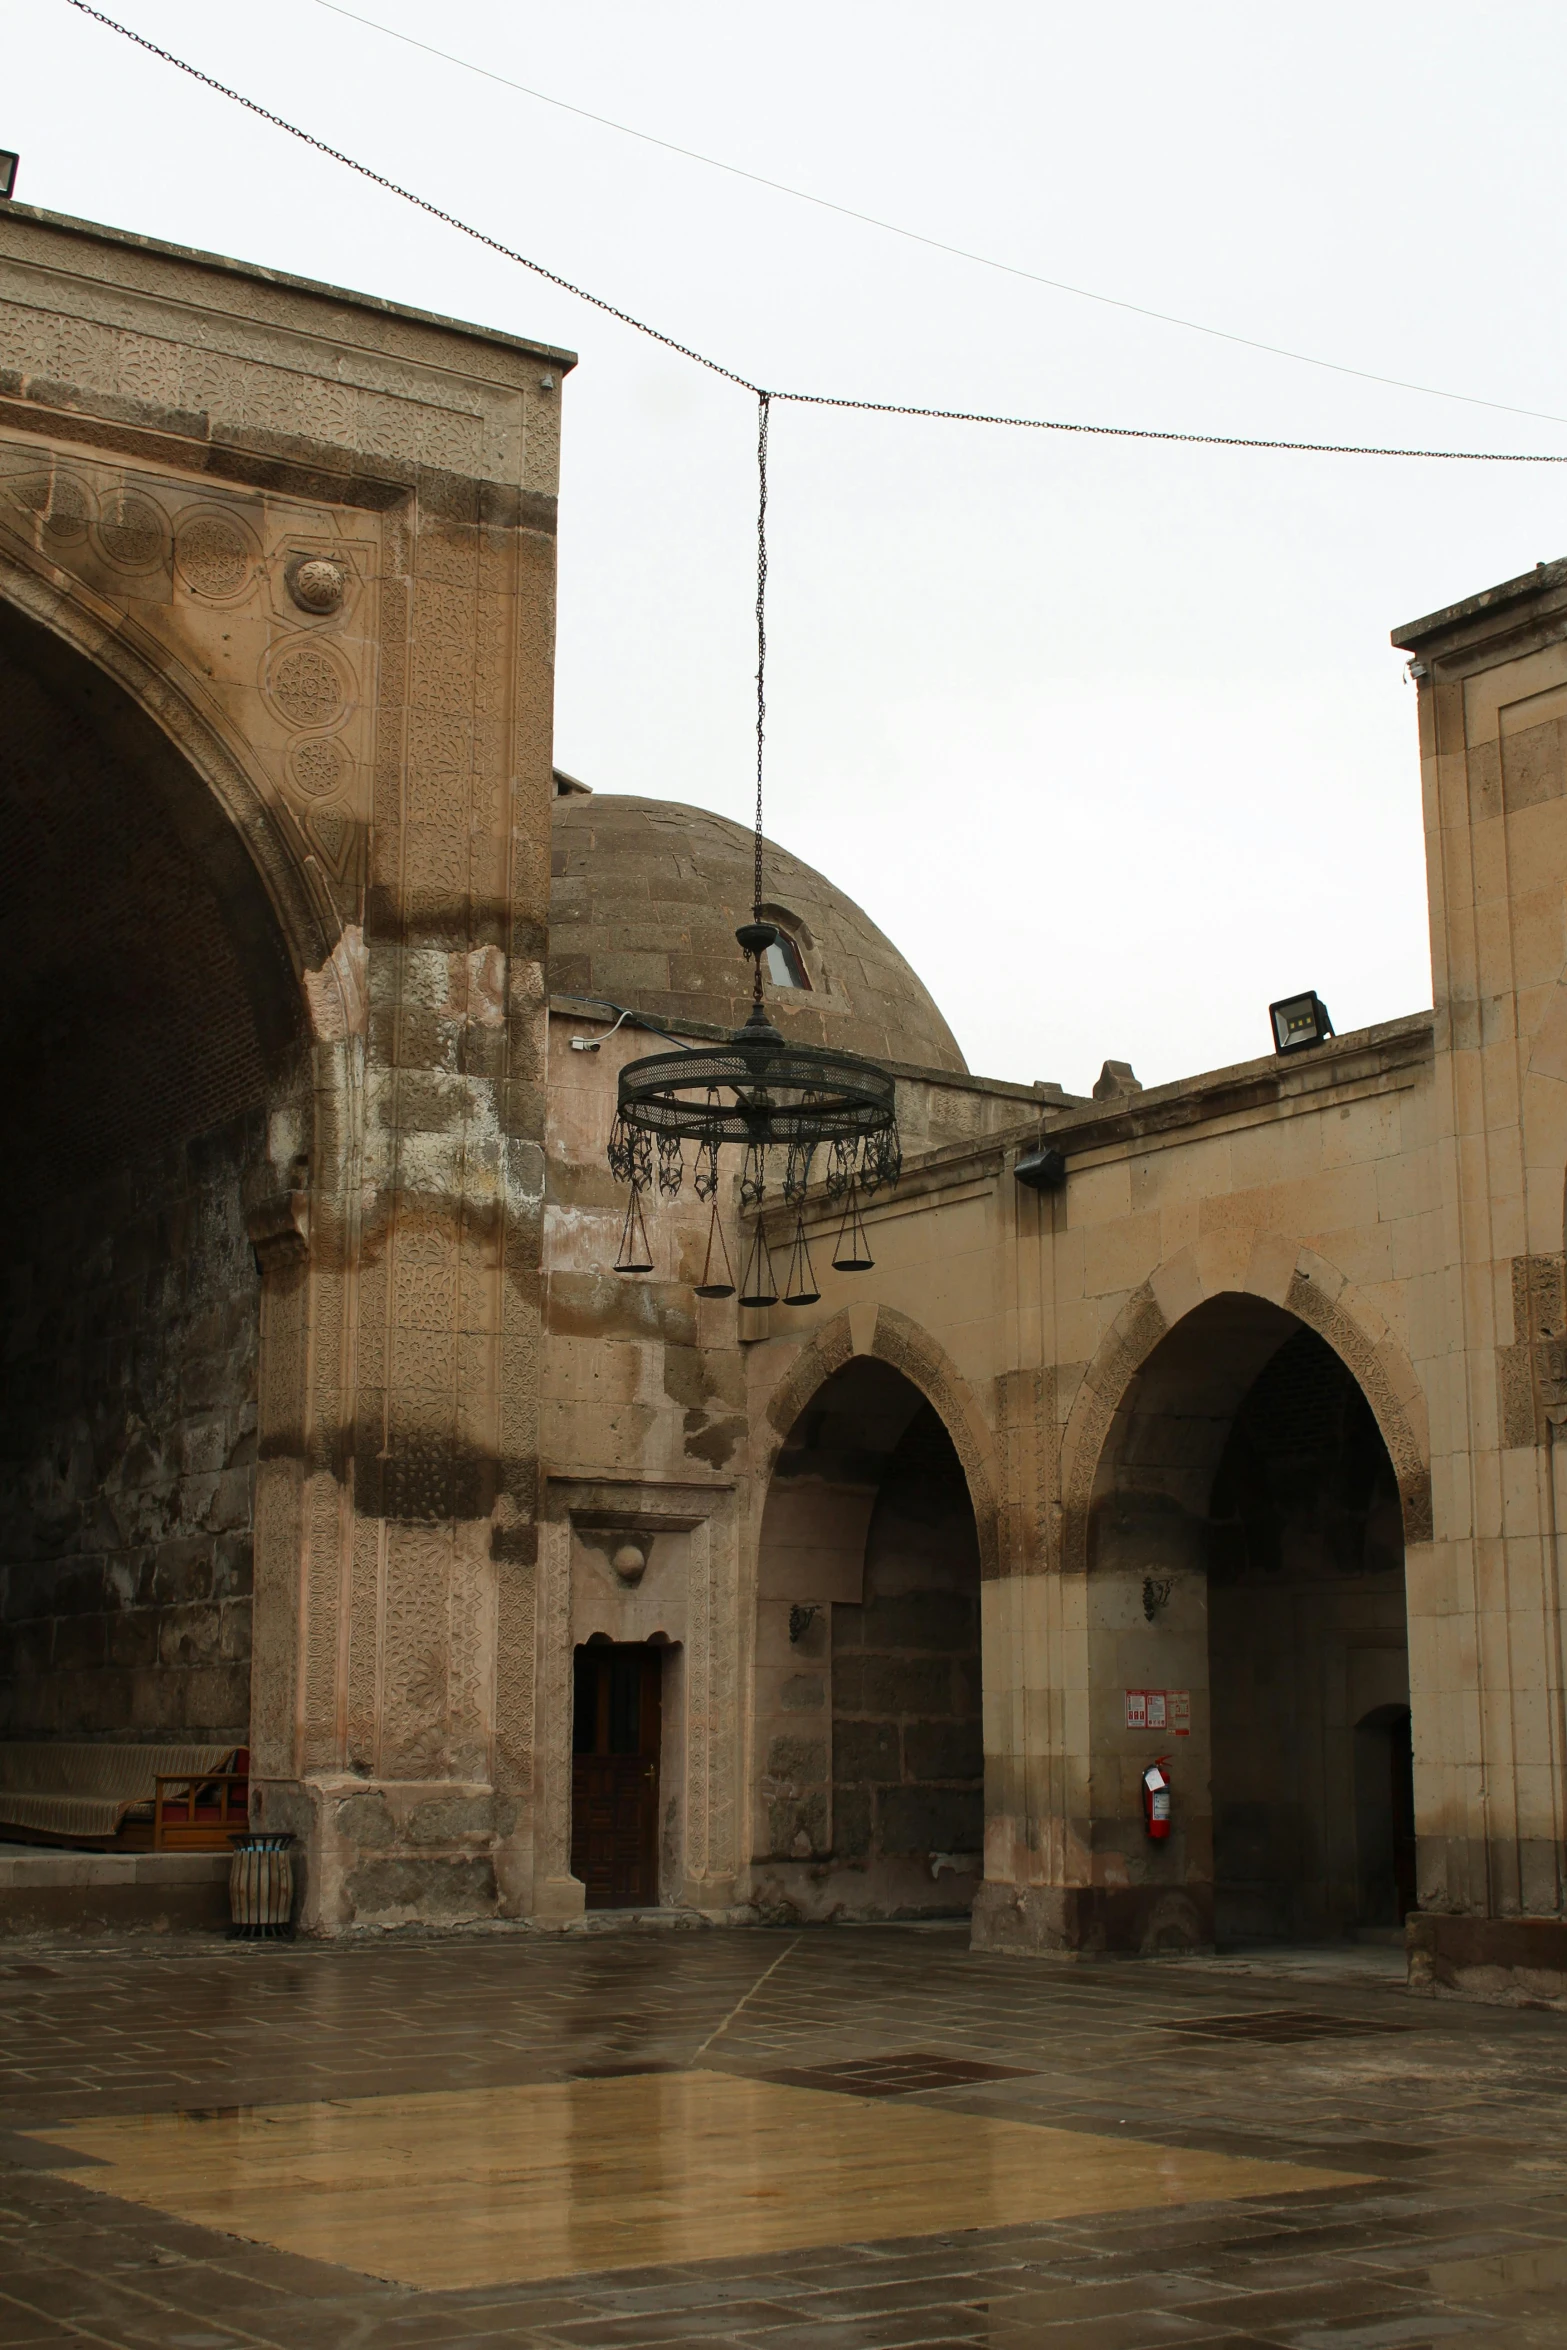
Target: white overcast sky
column 1109, row 738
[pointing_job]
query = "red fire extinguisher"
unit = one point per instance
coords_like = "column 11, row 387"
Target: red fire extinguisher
column 1156, row 1798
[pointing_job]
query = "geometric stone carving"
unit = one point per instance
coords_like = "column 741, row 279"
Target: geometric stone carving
column 131, row 533
column 317, row 769
column 316, row 583
column 213, row 556
column 1532, row 1372
column 305, row 685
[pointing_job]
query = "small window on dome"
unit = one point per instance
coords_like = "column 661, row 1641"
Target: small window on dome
column 785, row 963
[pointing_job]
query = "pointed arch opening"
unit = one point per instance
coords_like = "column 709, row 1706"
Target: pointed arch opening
column 1247, row 1622
column 151, row 1021
column 869, row 1744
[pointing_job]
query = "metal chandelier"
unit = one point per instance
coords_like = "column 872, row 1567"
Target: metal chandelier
column 760, row 1091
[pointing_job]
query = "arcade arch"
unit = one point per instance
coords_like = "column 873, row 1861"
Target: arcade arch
column 869, row 1746
column 152, row 1018
column 1245, row 1562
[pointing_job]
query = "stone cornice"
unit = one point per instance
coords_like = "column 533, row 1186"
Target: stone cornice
column 1366, row 1062
column 1358, row 1061
column 159, row 256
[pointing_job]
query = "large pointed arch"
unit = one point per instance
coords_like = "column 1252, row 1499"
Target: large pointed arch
column 169, row 695
column 1285, row 1273
column 168, row 1060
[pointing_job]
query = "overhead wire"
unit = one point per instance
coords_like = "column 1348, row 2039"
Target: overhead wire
column 914, row 236
column 803, row 399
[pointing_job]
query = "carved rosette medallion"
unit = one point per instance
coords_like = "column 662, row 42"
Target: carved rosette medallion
column 213, row 556
column 318, row 768
column 306, row 685
column 132, row 533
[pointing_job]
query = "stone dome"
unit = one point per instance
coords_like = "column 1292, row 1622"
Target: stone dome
column 644, row 899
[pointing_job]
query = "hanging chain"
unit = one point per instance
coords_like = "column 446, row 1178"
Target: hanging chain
column 379, row 179
column 1120, row 432
column 763, row 407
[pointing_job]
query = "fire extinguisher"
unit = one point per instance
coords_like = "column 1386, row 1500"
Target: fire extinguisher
column 1156, row 1798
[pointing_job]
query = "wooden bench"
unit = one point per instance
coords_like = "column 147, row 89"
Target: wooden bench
column 108, row 1797
column 200, row 1815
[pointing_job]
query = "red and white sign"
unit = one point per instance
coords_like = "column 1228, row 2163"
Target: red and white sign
column 1160, row 1709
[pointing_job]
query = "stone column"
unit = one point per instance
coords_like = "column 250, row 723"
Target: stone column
column 416, row 1661
column 1485, row 1599
column 1034, row 1630
column 1038, row 1859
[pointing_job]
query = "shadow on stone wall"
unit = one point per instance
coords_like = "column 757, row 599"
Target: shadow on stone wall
column 127, row 1454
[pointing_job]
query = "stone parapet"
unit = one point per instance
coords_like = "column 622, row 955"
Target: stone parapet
column 44, row 1892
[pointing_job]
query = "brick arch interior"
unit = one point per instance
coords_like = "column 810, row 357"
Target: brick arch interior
column 869, row 1750
column 1245, row 1581
column 150, row 1017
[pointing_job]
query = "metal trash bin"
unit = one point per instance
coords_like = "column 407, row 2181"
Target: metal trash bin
column 261, row 1887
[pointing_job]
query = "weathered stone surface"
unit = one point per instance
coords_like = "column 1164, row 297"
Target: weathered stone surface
column 124, row 1559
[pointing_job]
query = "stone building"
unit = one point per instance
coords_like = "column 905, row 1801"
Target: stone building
column 328, row 1428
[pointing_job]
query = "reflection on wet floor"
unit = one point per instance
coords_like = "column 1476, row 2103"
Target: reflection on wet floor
column 753, row 2117
column 482, row 2186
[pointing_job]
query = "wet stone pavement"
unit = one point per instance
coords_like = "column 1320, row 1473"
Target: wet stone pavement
column 1444, row 2126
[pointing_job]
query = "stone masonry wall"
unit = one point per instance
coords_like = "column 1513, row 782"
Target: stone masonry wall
column 127, row 1450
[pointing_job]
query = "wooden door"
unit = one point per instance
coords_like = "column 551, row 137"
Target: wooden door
column 614, row 1773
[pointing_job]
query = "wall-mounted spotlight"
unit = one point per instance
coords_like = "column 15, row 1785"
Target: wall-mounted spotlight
column 590, row 1044
column 1042, row 1170
column 1299, row 1021
column 8, row 167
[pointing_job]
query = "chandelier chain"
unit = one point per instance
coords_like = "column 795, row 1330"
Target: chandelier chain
column 763, row 408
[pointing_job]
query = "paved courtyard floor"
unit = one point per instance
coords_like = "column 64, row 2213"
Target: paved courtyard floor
column 846, row 2139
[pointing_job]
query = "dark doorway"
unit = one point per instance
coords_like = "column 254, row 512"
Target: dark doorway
column 1247, row 1534
column 1385, row 1815
column 616, row 1719
column 1312, row 1778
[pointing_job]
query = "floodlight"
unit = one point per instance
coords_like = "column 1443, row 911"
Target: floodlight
column 8, row 164
column 1299, row 1021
